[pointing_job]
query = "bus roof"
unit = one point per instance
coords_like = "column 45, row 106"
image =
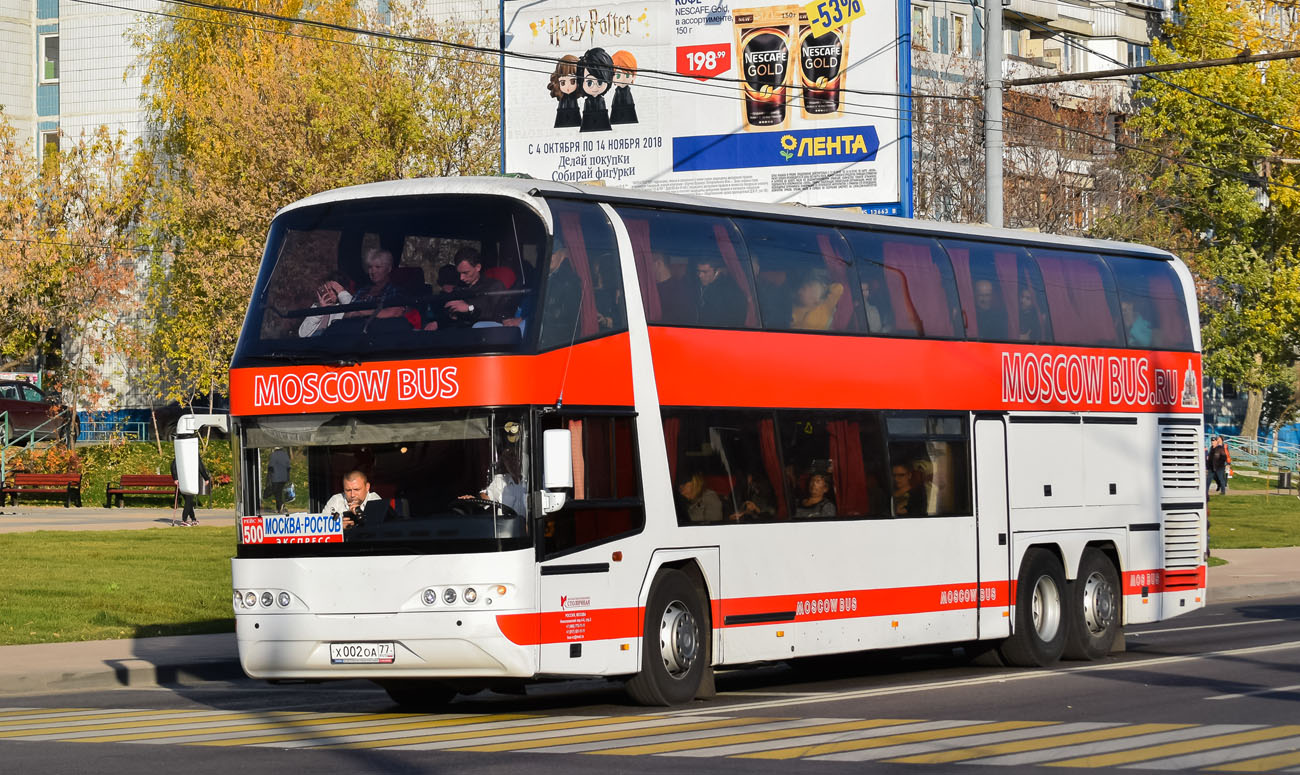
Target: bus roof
column 525, row 189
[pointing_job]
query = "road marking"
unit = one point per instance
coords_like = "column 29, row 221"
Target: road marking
column 429, row 742
column 730, row 750
column 942, row 744
column 1269, row 749
column 620, row 734
column 129, row 721
column 333, row 731
column 1173, row 749
column 395, row 737
column 1256, row 693
column 1023, row 675
column 1105, row 746
column 891, row 740
column 1204, row 627
column 229, row 727
column 1096, row 732
column 710, row 738
column 1264, row 764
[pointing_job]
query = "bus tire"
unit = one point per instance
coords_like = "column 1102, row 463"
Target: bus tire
column 1094, row 612
column 420, row 695
column 1040, row 623
column 674, row 644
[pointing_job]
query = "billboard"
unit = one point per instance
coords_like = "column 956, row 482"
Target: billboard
column 745, row 99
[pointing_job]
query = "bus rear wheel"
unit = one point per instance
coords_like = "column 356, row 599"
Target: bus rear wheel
column 675, row 643
column 1040, row 624
column 419, row 695
column 1094, row 614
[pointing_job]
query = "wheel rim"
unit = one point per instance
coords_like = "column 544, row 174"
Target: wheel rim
column 1046, row 608
column 678, row 642
column 1098, row 604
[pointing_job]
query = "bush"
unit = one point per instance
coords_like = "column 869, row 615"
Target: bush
column 100, row 464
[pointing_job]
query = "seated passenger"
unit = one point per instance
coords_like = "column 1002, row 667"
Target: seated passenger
column 990, row 312
column 816, row 303
column 379, row 269
column 755, row 497
column 357, row 505
column 483, row 298
column 1031, row 325
column 333, row 292
column 702, row 504
column 1139, row 328
column 904, row 503
column 720, row 302
column 506, row 485
column 675, row 307
column 875, row 321
column 563, row 299
column 609, row 299
column 819, row 502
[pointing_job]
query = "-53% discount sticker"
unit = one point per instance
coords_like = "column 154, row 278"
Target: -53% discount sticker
column 704, row 62
column 827, row 15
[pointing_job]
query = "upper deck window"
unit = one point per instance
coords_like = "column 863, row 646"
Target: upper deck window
column 803, row 276
column 907, row 285
column 1002, row 296
column 584, row 285
column 1081, row 297
column 1151, row 304
column 396, row 276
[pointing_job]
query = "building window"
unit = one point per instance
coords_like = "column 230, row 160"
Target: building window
column 920, row 23
column 49, row 58
column 49, row 142
column 1138, row 54
column 959, row 35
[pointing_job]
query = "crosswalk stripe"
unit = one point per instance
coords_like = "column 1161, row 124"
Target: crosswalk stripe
column 1105, row 746
column 457, row 739
column 1098, row 731
column 134, row 721
column 89, row 719
column 621, row 734
column 811, row 740
column 931, row 746
column 222, row 730
column 1237, row 753
column 881, row 742
column 333, row 732
column 396, row 737
column 1263, row 763
column 42, row 712
column 710, row 738
column 1173, row 749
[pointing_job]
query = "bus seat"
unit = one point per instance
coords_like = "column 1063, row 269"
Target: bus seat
column 503, row 273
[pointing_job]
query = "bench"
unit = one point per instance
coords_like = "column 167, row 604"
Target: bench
column 139, row 484
column 67, row 485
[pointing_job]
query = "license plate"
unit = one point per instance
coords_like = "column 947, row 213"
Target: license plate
column 361, row 653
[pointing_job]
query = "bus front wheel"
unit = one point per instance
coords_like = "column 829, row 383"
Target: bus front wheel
column 675, row 643
column 1040, row 624
column 1094, row 607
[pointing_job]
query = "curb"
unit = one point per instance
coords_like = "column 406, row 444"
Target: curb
column 1236, row 593
column 122, row 674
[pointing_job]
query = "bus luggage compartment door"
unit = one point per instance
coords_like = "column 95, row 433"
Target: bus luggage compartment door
column 582, row 625
column 992, row 527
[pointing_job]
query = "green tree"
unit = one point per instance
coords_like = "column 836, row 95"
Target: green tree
column 249, row 116
column 69, row 260
column 1221, row 182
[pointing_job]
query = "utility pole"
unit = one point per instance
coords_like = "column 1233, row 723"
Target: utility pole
column 993, row 112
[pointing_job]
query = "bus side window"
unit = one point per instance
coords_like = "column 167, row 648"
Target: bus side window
column 732, row 455
column 583, row 289
column 918, row 280
column 1081, row 298
column 929, row 465
column 1001, row 292
column 803, row 276
column 606, row 503
column 1151, row 302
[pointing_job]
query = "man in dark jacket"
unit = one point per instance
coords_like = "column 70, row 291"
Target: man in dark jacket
column 1216, row 464
column 720, row 302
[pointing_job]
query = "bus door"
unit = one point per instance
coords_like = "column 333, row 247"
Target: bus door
column 992, row 526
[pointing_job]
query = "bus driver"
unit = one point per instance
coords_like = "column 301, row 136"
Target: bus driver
column 357, row 504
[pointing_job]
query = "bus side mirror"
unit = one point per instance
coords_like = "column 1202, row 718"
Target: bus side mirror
column 557, row 468
column 187, row 463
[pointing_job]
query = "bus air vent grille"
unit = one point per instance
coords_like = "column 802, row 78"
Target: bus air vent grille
column 1184, row 545
column 1180, row 459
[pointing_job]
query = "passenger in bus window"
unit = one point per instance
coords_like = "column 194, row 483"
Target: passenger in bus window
column 720, row 302
column 608, row 297
column 818, row 502
column 924, row 493
column 334, row 291
column 990, row 311
column 1139, row 328
column 379, row 269
column 1031, row 322
column 755, row 498
column 702, row 504
column 483, row 295
column 675, row 298
column 563, row 298
column 875, row 321
column 816, row 303
column 775, row 303
column 357, row 505
column 905, row 501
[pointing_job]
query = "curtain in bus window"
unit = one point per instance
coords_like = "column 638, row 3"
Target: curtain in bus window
column 918, row 278
column 638, row 230
column 803, row 276
column 1005, row 281
column 738, row 275
column 1151, row 304
column 672, row 428
column 624, row 461
column 837, row 267
column 579, row 463
column 599, row 465
column 850, row 468
column 1081, row 298
column 772, row 464
column 565, row 318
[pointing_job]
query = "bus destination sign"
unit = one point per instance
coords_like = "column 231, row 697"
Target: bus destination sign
column 299, row 528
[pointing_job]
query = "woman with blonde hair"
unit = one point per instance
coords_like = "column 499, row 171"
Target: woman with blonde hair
column 564, row 87
column 815, row 303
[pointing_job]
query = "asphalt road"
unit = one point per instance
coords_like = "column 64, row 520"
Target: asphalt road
column 1216, row 690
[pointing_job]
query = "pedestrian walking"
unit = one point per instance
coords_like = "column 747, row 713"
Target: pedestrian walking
column 277, row 476
column 1216, row 466
column 188, row 518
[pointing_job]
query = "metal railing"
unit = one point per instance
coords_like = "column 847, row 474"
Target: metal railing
column 55, row 426
column 1269, row 457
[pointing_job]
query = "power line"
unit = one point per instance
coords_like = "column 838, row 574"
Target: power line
column 1242, row 59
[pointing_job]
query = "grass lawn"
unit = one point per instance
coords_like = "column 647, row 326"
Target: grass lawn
column 93, row 585
column 1254, row 521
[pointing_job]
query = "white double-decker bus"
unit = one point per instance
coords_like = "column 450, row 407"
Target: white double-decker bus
column 614, row 433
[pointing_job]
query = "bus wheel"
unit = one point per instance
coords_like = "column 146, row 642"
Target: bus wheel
column 420, row 695
column 1094, row 607
column 674, row 648
column 1039, row 637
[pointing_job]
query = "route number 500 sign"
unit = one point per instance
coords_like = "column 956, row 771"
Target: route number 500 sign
column 827, row 15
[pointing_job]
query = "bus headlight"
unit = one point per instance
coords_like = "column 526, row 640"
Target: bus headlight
column 250, row 599
column 449, row 596
column 283, row 600
column 470, row 595
column 430, row 596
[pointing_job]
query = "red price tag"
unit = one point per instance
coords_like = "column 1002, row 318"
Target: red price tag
column 704, row 62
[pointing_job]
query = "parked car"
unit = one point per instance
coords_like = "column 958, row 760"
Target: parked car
column 31, row 410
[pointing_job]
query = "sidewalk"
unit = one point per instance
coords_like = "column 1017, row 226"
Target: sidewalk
column 195, row 659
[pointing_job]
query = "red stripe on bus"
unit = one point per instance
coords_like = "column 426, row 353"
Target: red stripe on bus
column 598, row 372
column 571, row 626
column 701, row 367
column 1156, row 581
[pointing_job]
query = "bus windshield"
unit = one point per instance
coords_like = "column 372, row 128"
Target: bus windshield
column 393, row 276
column 427, row 484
